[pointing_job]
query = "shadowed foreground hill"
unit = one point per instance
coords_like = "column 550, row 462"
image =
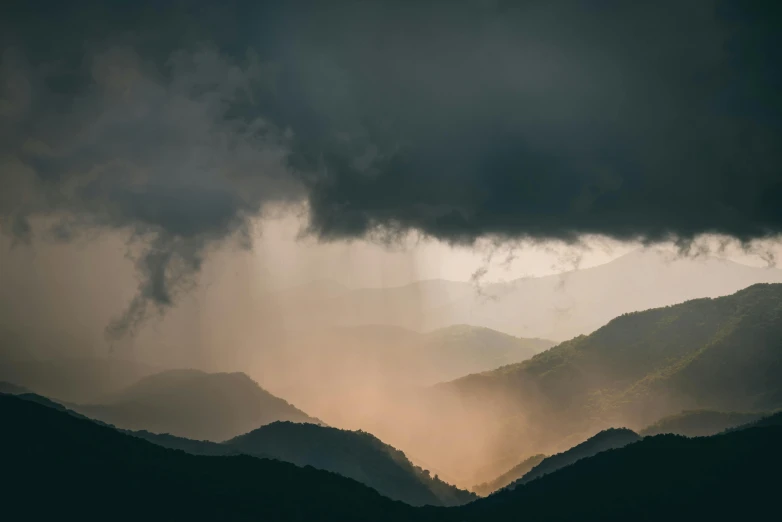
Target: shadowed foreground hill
column 700, row 423
column 603, row 441
column 727, row 477
column 65, row 467
column 354, row 454
column 62, row 466
column 194, row 404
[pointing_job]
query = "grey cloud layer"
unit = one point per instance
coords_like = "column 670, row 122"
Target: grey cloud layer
column 537, row 120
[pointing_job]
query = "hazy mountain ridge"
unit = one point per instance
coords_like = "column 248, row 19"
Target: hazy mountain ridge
column 194, row 405
column 324, row 369
column 74, row 379
column 721, row 354
column 557, row 306
column 700, row 423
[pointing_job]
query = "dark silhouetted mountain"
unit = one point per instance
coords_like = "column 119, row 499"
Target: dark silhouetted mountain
column 65, row 467
column 775, row 419
column 354, row 454
column 700, row 423
column 512, row 475
column 605, row 440
column 74, row 379
column 733, row 476
column 194, row 447
column 195, row 405
column 719, row 354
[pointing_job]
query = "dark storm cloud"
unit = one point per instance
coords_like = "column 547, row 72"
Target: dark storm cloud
column 460, row 119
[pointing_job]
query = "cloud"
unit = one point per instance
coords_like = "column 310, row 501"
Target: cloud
column 156, row 155
column 515, row 121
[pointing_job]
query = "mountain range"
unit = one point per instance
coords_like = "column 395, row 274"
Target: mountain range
column 700, row 423
column 719, row 354
column 556, row 307
column 723, row 477
column 324, row 368
column 82, row 379
column 193, row 404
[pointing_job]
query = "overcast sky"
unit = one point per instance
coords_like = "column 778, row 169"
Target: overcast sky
column 176, row 127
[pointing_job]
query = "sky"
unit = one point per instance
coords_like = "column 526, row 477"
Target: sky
column 180, row 130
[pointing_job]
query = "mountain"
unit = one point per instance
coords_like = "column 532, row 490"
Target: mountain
column 700, row 423
column 63, row 466
column 194, row 404
column 354, row 454
column 720, row 354
column 732, row 476
column 579, row 302
column 349, row 376
column 397, row 353
column 512, row 475
column 73, row 379
column 12, row 389
column 557, row 307
column 605, row 440
column 463, row 349
column 775, row 419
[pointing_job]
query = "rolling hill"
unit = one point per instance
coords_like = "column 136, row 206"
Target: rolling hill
column 354, row 454
column 719, row 354
column 87, row 471
column 700, row 423
column 726, row 477
column 84, row 379
column 605, row 440
column 194, row 404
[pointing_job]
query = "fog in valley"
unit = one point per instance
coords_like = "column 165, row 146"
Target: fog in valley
column 360, row 335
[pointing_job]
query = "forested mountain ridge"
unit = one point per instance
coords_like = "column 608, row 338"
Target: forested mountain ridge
column 354, row 454
column 721, row 354
column 662, row 477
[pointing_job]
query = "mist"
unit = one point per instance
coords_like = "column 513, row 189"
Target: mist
column 341, row 330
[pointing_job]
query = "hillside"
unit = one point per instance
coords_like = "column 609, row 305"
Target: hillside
column 512, row 475
column 127, row 478
column 700, row 423
column 73, row 379
column 195, row 405
column 665, row 477
column 357, row 455
column 603, row 441
column 719, row 354
column 323, row 370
